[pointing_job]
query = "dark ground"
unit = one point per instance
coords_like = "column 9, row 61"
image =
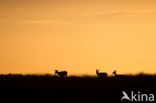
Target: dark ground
column 49, row 89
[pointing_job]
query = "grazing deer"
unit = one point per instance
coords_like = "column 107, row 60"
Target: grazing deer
column 116, row 75
column 61, row 73
column 100, row 74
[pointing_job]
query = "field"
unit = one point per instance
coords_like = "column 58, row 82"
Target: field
column 73, row 89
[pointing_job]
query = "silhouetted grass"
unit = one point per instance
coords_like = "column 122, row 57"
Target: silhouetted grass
column 77, row 81
column 3, row 76
column 85, row 77
column 47, row 87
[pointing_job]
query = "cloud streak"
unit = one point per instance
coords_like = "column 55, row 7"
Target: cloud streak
column 145, row 12
column 65, row 18
column 133, row 13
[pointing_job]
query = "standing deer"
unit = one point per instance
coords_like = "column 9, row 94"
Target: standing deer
column 100, row 74
column 116, row 75
column 61, row 73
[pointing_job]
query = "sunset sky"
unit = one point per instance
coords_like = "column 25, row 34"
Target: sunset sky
column 39, row 36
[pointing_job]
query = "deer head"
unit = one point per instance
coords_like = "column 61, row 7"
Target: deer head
column 97, row 71
column 114, row 72
column 56, row 71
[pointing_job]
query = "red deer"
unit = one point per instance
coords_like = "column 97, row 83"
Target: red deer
column 100, row 74
column 61, row 73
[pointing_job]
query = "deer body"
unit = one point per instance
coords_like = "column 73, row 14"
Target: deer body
column 61, row 73
column 101, row 74
column 116, row 75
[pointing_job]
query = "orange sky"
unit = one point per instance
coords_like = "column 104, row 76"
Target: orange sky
column 38, row 36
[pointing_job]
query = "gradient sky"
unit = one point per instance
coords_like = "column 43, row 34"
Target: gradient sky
column 38, row 36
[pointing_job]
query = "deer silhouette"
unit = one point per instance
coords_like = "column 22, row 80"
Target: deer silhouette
column 116, row 75
column 61, row 73
column 100, row 74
